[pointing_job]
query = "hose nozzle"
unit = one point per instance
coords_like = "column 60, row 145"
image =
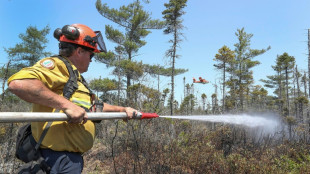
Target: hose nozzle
column 142, row 115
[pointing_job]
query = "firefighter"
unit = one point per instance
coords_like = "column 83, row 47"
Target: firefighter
column 55, row 84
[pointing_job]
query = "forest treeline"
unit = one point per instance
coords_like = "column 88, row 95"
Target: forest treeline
column 174, row 146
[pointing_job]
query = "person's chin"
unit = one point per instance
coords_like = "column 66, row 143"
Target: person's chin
column 82, row 71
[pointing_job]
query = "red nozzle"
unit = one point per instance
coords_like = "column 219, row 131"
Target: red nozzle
column 148, row 115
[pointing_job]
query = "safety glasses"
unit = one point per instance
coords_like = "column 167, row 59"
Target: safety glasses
column 91, row 55
column 91, row 51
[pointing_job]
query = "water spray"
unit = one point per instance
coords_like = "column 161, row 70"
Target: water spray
column 266, row 124
column 244, row 119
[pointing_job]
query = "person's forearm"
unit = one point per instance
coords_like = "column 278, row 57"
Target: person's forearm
column 34, row 91
column 112, row 108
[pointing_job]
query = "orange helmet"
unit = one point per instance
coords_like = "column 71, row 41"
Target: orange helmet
column 81, row 35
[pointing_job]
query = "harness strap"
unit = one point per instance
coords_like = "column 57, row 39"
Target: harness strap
column 43, row 135
column 71, row 86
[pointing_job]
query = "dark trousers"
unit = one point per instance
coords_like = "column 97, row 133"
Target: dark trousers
column 63, row 162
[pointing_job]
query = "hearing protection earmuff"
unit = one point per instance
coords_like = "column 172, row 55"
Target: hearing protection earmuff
column 70, row 32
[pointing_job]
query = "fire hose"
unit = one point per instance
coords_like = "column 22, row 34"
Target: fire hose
column 10, row 117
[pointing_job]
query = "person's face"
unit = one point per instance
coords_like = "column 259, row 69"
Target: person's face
column 83, row 59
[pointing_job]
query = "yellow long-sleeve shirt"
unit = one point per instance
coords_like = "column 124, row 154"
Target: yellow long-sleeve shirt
column 61, row 136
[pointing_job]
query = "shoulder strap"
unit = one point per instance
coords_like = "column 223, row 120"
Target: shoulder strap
column 71, row 86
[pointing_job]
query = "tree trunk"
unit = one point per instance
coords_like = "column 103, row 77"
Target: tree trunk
column 287, row 96
column 184, row 87
column 280, row 91
column 203, row 104
column 172, row 73
column 297, row 82
column 305, row 84
column 224, row 69
column 119, row 82
column 213, row 105
column 309, row 60
column 128, row 76
column 240, row 87
column 294, row 94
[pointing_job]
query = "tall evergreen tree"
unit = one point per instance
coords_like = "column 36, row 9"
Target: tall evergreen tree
column 279, row 78
column 287, row 64
column 136, row 24
column 244, row 63
column 173, row 16
column 280, row 81
column 26, row 53
column 103, row 85
column 224, row 57
column 31, row 49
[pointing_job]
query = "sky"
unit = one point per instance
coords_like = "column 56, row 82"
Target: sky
column 209, row 25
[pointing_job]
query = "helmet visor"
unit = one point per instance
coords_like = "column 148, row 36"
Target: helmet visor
column 100, row 42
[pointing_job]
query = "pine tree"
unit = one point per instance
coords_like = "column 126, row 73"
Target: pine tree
column 224, row 56
column 287, row 64
column 103, row 85
column 26, row 53
column 31, row 49
column 244, row 63
column 280, row 81
column 173, row 16
column 136, row 24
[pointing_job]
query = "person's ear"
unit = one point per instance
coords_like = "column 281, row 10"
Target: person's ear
column 79, row 50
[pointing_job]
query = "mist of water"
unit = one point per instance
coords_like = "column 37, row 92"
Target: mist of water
column 267, row 123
